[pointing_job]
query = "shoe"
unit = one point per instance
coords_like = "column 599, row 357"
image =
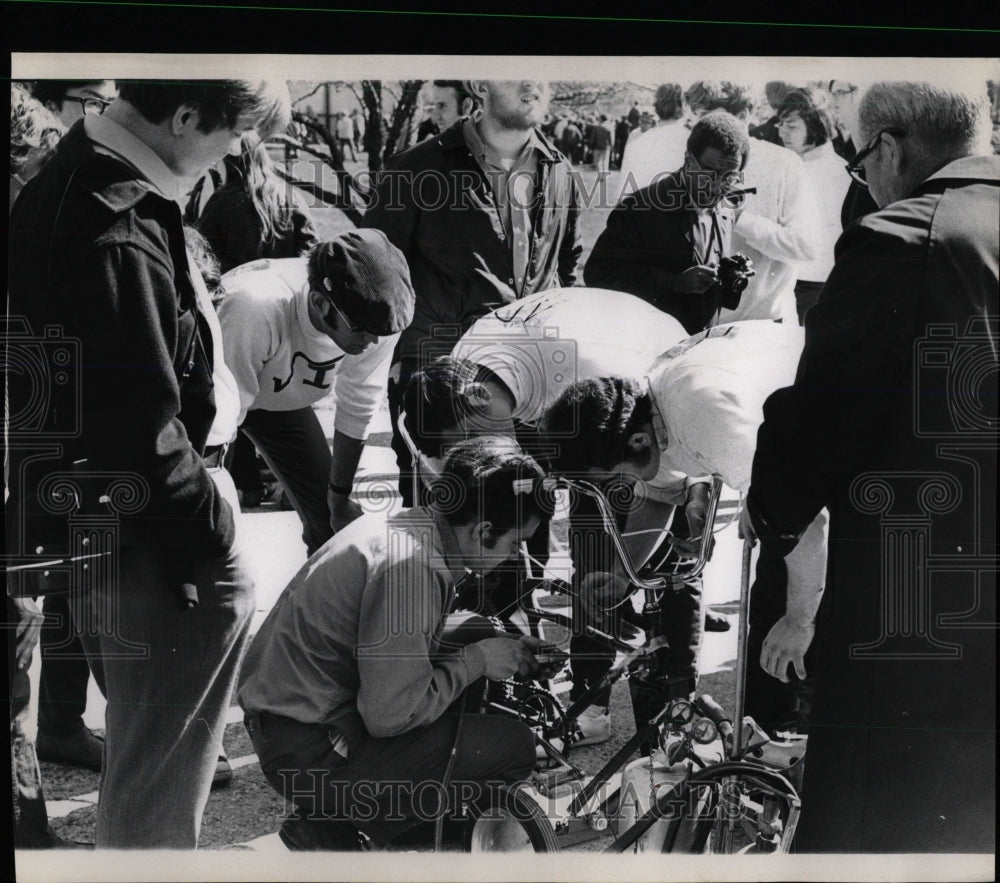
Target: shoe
column 79, row 748
column 223, row 773
column 595, row 726
column 555, row 601
column 716, row 622
column 313, row 835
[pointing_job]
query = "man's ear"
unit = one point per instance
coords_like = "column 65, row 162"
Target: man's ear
column 894, row 147
column 184, row 117
column 478, row 88
column 478, row 396
column 639, row 443
column 483, row 531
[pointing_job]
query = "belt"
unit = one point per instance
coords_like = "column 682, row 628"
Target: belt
column 214, row 455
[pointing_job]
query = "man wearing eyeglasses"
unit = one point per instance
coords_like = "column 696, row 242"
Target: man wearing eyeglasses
column 664, row 243
column 71, row 100
column 844, row 98
column 297, row 329
column 891, row 425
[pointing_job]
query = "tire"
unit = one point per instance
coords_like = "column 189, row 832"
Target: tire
column 511, row 822
column 734, row 810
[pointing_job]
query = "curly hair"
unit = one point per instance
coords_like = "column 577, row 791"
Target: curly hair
column 435, row 400
column 591, row 422
column 723, row 132
column 34, row 131
column 491, row 479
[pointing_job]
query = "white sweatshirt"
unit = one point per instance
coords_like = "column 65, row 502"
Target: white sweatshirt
column 281, row 362
column 708, row 400
column 540, row 345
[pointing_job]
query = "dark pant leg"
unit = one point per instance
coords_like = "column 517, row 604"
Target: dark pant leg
column 387, row 785
column 591, row 551
column 243, row 465
column 169, row 677
column 773, row 704
column 295, row 447
column 403, row 459
column 62, row 691
column 31, row 821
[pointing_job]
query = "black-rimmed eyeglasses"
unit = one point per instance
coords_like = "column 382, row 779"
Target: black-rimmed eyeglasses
column 351, row 327
column 855, row 168
column 90, row 105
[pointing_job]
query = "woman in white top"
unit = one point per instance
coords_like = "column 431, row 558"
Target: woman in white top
column 805, row 126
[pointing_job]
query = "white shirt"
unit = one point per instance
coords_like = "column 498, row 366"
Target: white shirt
column 777, row 230
column 828, row 180
column 120, row 142
column 281, row 362
column 652, row 154
column 540, row 345
column 708, row 395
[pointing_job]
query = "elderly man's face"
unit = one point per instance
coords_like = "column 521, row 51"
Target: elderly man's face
column 517, row 104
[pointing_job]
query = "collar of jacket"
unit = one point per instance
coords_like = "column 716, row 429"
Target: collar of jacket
column 111, row 181
column 984, row 168
column 454, row 139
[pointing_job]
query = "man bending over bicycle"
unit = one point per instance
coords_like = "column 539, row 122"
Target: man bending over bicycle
column 695, row 414
column 352, row 692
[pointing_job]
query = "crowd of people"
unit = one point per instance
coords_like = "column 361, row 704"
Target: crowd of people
column 193, row 328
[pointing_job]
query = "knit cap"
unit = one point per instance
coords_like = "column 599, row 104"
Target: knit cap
column 367, row 278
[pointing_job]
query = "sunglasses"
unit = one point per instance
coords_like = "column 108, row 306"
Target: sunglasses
column 90, row 105
column 328, row 318
column 855, row 167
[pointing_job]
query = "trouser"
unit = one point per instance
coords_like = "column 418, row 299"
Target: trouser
column 772, row 704
column 601, row 158
column 294, row 446
column 169, row 678
column 681, row 618
column 31, row 822
column 243, row 465
column 384, row 786
column 404, row 461
column 62, row 689
column 345, row 145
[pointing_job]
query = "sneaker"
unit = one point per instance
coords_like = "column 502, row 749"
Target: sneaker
column 79, row 748
column 313, row 835
column 716, row 622
column 595, row 726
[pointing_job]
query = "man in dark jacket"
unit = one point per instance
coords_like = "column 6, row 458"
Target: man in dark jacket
column 892, row 426
column 116, row 442
column 485, row 213
column 664, row 242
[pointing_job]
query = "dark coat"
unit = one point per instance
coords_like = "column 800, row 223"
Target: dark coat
column 892, row 425
column 648, row 240
column 435, row 204
column 125, row 373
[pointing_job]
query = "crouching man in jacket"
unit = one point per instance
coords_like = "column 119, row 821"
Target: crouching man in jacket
column 350, row 686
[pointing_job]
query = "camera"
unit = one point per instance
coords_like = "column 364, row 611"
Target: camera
column 733, row 278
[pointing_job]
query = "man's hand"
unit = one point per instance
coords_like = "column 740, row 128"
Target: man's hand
column 600, row 592
column 29, row 628
column 343, row 510
column 508, row 656
column 696, row 512
column 786, row 644
column 746, row 528
column 695, row 280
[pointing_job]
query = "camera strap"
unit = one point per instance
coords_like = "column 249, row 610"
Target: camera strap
column 714, row 239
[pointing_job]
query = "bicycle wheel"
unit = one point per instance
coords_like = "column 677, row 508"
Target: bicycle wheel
column 510, row 821
column 733, row 809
